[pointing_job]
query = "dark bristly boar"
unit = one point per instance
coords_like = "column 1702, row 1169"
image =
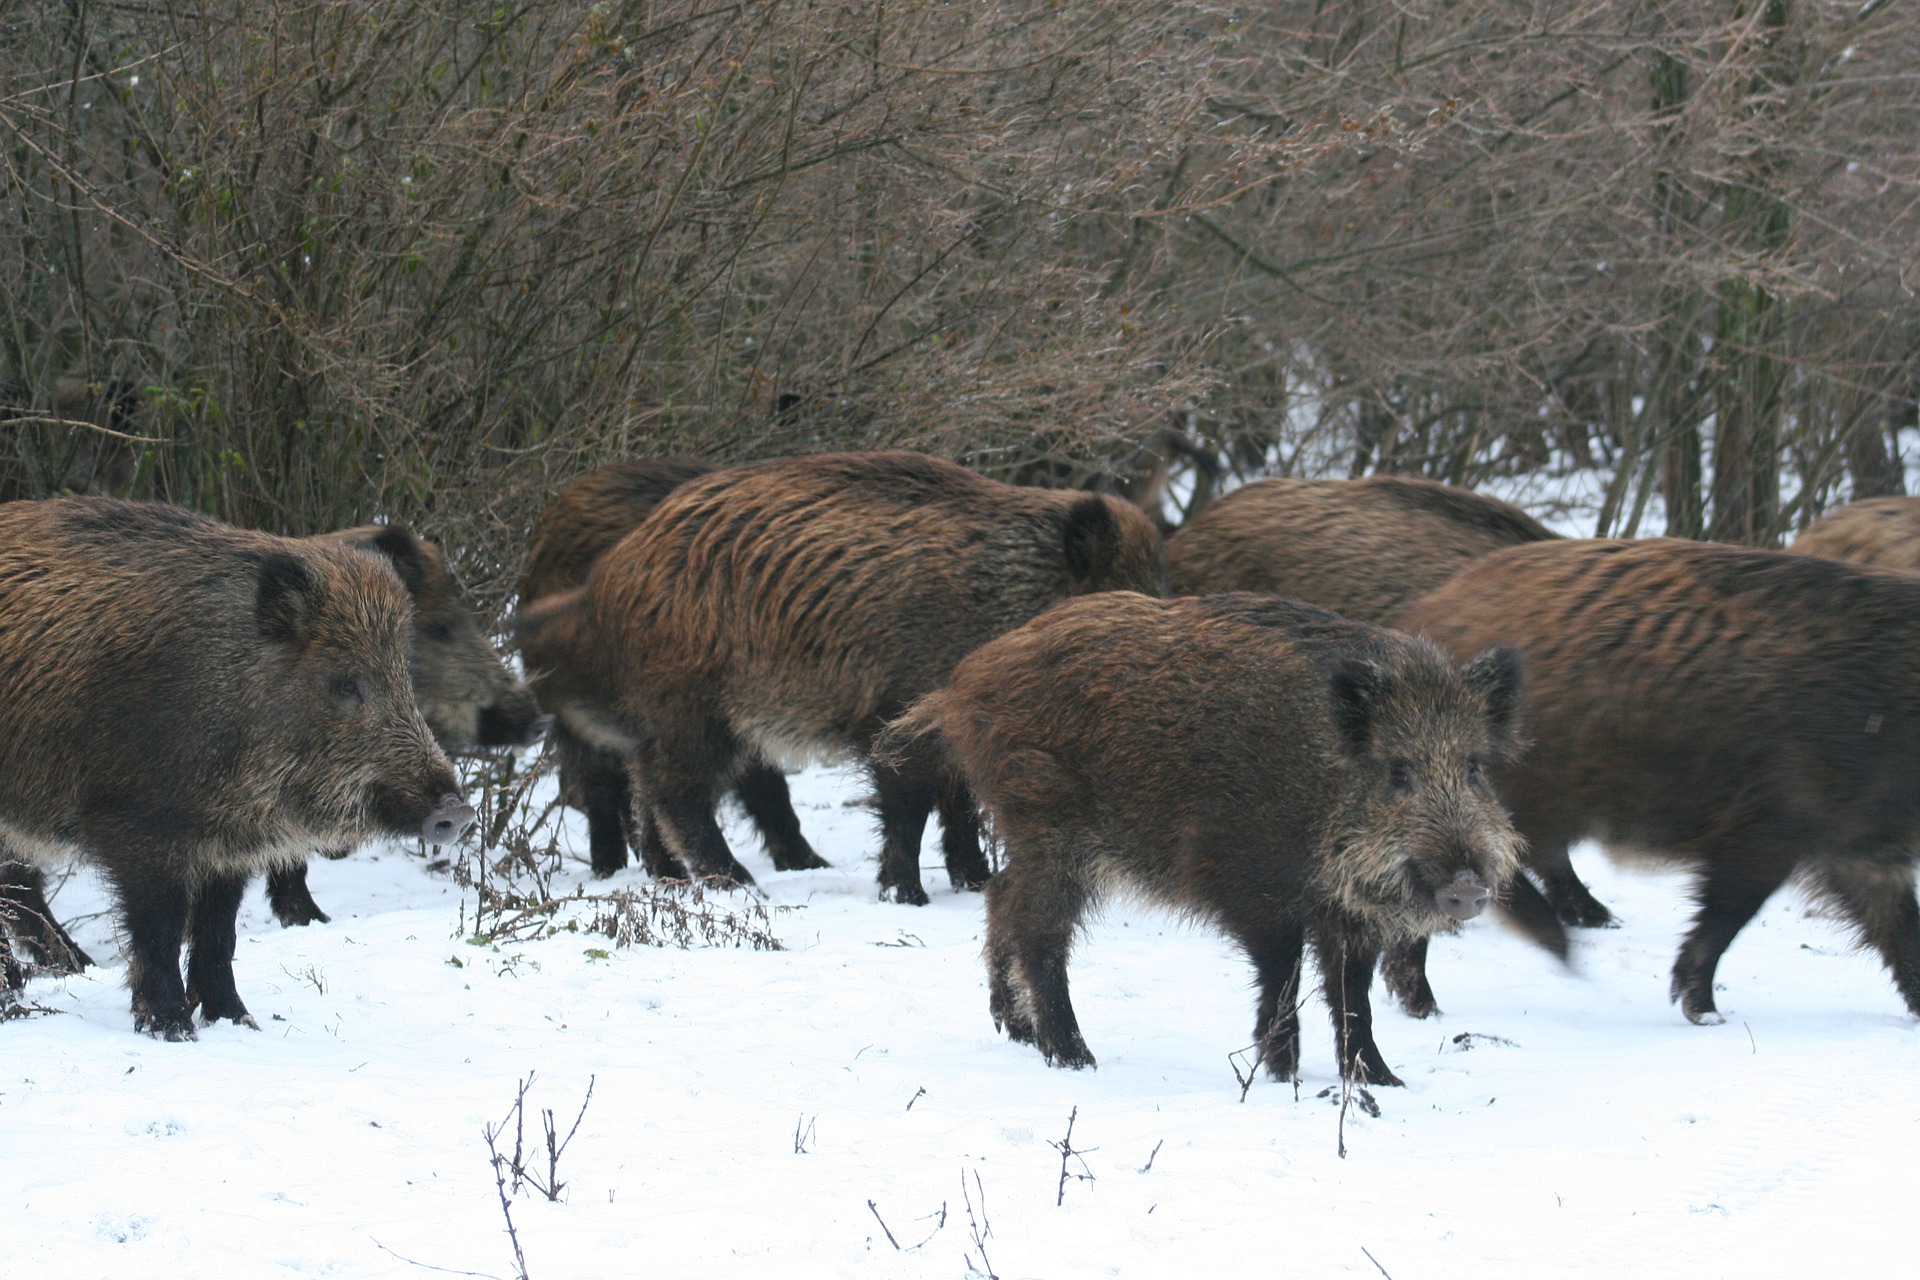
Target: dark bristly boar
column 1753, row 715
column 1362, row 548
column 468, row 697
column 185, row 704
column 1267, row 766
column 787, row 610
column 1882, row 531
column 581, row 522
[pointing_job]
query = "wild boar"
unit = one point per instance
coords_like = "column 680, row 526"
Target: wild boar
column 581, row 522
column 467, row 696
column 1880, row 531
column 1752, row 715
column 184, row 704
column 1280, row 772
column 1362, row 548
column 1365, row 549
column 787, row 610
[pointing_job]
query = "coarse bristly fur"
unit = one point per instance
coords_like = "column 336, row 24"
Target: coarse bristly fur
column 582, row 521
column 1878, row 531
column 185, row 704
column 1753, row 715
column 1286, row 774
column 791, row 608
column 1362, row 548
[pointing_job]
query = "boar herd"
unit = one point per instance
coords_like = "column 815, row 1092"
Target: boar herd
column 1331, row 715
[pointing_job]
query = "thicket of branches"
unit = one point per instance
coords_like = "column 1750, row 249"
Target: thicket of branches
column 429, row 260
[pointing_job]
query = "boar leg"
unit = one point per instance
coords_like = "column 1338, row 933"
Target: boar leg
column 1876, row 895
column 1346, row 972
column 684, row 810
column 288, row 895
column 23, row 903
column 762, row 791
column 12, row 976
column 210, row 950
column 1404, row 967
column 960, row 835
column 1032, row 911
column 155, row 906
column 607, row 798
column 1572, row 902
column 906, row 793
column 655, row 857
column 1733, row 887
column 1277, row 960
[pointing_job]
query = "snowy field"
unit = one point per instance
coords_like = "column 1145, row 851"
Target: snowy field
column 1553, row 1124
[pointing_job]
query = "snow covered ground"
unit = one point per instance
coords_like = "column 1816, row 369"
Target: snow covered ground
column 1553, row 1124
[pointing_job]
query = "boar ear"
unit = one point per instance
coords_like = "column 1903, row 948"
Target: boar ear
column 287, row 598
column 1495, row 675
column 409, row 555
column 1092, row 538
column 1356, row 688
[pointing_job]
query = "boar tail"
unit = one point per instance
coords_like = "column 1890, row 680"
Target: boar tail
column 896, row 741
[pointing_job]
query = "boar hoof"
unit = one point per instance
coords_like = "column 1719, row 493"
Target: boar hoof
column 1282, row 1061
column 292, row 903
column 1407, row 983
column 1070, row 1057
column 802, row 858
column 911, row 895
column 1696, row 1001
column 243, row 1019
column 1378, row 1076
column 1017, row 1029
column 213, row 1011
column 174, row 1024
column 1368, row 1067
column 1586, row 915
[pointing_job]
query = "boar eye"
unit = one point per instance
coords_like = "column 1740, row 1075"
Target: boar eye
column 1400, row 776
column 439, row 633
column 347, row 689
column 1476, row 772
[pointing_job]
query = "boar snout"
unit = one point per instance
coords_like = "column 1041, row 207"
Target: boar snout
column 449, row 822
column 1465, row 897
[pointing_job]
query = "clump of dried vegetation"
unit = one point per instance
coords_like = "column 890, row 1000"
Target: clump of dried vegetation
column 515, row 878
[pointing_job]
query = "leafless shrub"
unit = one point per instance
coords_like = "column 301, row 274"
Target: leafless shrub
column 514, row 1168
column 429, row 260
column 1069, row 1152
column 514, row 875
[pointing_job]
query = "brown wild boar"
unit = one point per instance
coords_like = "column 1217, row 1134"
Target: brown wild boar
column 1365, row 549
column 184, row 704
column 466, row 694
column 1362, row 548
column 788, row 610
column 1264, row 765
column 1882, row 531
column 1753, row 715
column 583, row 520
